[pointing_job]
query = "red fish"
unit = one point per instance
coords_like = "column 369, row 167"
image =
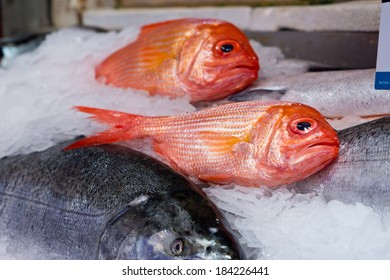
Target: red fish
column 206, row 58
column 248, row 143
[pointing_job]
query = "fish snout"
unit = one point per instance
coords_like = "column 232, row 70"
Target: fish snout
column 250, row 66
column 325, row 145
column 250, row 62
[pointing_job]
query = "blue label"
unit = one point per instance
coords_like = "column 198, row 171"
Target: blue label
column 382, row 80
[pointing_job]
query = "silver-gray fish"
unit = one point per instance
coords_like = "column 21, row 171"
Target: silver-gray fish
column 334, row 93
column 362, row 171
column 106, row 202
column 11, row 47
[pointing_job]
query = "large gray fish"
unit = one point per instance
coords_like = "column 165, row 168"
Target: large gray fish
column 362, row 171
column 334, row 93
column 106, row 202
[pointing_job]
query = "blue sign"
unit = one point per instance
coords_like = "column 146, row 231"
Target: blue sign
column 382, row 77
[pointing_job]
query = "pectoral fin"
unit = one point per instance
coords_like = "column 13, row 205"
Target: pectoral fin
column 217, row 142
column 216, row 178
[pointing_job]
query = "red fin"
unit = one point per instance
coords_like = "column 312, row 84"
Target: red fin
column 161, row 23
column 101, row 138
column 217, row 143
column 153, row 26
column 159, row 148
column 123, row 127
column 216, row 178
column 113, row 118
column 139, row 64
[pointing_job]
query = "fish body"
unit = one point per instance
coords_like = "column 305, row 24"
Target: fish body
column 361, row 173
column 249, row 143
column 206, row 58
column 106, row 202
column 333, row 93
column 11, row 47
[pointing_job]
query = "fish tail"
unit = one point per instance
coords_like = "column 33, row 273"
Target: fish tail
column 123, row 126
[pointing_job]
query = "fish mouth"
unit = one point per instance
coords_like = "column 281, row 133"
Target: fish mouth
column 321, row 150
column 232, row 80
column 324, row 143
column 311, row 159
column 243, row 71
column 251, row 67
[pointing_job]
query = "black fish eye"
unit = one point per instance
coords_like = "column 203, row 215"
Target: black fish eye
column 177, row 246
column 303, row 125
column 226, row 48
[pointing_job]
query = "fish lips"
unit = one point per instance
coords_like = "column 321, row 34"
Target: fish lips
column 241, row 75
column 245, row 69
column 227, row 82
column 315, row 156
column 328, row 146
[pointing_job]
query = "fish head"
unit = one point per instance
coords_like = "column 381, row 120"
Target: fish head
column 216, row 61
column 169, row 226
column 299, row 143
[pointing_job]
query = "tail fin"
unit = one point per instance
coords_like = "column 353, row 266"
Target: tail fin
column 123, row 126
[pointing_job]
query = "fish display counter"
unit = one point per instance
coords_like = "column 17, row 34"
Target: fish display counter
column 325, row 134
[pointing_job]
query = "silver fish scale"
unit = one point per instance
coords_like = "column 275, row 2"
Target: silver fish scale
column 364, row 144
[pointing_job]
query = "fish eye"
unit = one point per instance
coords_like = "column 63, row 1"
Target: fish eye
column 177, row 246
column 303, row 125
column 226, row 47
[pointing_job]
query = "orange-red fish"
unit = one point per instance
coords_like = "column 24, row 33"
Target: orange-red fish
column 248, row 143
column 206, row 58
